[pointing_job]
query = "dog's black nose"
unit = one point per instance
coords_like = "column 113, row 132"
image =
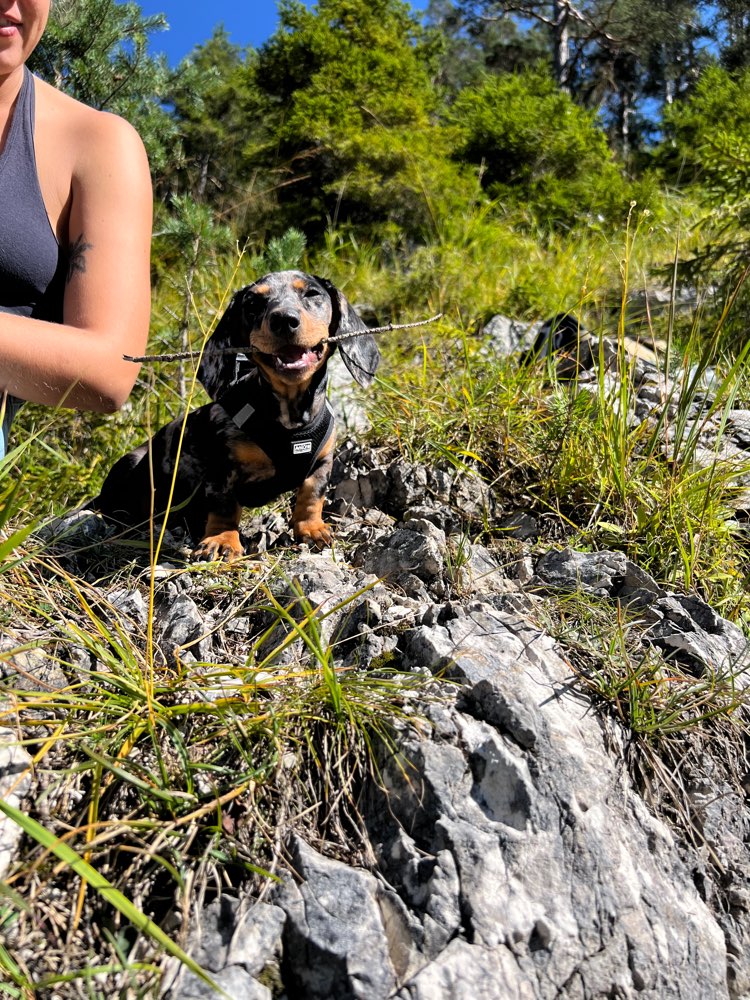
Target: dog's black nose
column 284, row 321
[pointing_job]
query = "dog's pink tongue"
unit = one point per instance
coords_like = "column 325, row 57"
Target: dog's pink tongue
column 295, row 356
column 292, row 353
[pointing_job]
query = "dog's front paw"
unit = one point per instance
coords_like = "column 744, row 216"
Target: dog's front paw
column 225, row 546
column 314, row 533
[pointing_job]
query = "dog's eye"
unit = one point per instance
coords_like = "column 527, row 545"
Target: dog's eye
column 311, row 293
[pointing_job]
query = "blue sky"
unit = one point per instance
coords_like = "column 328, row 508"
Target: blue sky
column 249, row 22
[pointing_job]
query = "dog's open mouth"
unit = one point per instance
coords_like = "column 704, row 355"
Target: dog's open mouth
column 295, row 358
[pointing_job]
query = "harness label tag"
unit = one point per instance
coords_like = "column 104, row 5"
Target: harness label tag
column 301, row 447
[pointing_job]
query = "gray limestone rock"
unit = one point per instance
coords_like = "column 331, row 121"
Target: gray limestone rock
column 15, row 783
column 234, row 981
column 410, row 558
column 739, row 427
column 29, row 663
column 520, row 525
column 687, row 629
column 567, row 885
column 506, row 336
column 131, row 604
column 234, row 944
column 473, row 569
column 601, row 574
column 182, row 627
column 337, row 942
column 513, row 855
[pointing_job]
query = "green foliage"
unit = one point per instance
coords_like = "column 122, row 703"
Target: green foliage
column 285, row 253
column 607, row 55
column 473, row 45
column 732, row 29
column 189, row 239
column 340, row 120
column 188, row 235
column 357, row 139
column 707, row 151
column 707, row 135
column 331, row 59
column 534, row 145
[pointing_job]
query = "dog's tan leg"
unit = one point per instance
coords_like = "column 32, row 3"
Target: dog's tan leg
column 221, row 539
column 307, row 517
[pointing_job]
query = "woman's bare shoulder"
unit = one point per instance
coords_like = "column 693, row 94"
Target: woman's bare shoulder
column 80, row 128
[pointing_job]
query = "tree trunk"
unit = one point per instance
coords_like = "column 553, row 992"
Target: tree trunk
column 562, row 45
column 626, row 114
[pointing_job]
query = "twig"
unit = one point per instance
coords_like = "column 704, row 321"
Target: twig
column 190, row 355
column 384, row 329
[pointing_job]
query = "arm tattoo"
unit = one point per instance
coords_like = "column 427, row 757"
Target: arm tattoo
column 77, row 257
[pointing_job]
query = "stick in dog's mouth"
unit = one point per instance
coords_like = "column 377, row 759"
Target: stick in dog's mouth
column 365, row 332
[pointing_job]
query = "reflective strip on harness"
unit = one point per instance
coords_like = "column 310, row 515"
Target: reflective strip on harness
column 242, row 416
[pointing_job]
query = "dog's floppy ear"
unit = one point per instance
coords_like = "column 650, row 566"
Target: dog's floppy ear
column 219, row 369
column 360, row 354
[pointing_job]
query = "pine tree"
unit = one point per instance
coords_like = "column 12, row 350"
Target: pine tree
column 351, row 82
column 219, row 115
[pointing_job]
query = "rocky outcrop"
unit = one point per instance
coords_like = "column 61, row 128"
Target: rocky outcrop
column 512, row 853
column 514, row 856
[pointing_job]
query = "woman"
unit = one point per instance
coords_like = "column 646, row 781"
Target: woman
column 75, row 234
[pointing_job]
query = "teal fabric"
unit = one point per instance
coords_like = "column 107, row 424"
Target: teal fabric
column 12, row 406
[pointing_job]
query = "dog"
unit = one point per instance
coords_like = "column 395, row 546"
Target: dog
column 269, row 428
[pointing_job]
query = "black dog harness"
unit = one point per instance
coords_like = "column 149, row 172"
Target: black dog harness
column 293, row 452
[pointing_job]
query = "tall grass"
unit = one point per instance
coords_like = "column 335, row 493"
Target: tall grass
column 167, row 771
column 579, row 459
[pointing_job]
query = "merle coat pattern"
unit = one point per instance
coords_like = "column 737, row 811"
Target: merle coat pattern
column 268, row 429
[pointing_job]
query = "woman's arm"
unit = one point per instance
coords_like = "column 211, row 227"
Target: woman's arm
column 107, row 293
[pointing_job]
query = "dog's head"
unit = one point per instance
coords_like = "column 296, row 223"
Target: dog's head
column 283, row 322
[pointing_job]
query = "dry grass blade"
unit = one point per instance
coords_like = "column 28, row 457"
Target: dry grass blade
column 108, row 892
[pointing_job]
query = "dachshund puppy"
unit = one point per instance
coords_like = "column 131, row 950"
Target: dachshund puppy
column 269, row 429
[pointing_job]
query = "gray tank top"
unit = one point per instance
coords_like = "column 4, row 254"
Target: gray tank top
column 32, row 263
